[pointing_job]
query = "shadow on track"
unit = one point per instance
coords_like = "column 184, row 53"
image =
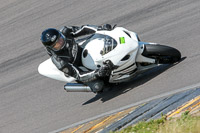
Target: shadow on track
column 116, row 90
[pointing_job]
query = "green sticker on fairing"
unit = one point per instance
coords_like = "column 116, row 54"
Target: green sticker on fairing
column 122, row 40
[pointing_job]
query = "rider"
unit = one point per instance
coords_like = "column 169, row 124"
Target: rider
column 65, row 53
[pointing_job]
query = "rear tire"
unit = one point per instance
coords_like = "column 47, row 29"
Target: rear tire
column 162, row 54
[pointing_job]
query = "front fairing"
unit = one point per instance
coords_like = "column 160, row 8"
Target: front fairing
column 48, row 69
column 96, row 47
column 107, row 45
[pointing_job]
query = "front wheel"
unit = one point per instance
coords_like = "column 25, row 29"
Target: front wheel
column 162, row 54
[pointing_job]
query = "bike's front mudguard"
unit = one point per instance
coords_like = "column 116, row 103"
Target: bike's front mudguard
column 48, row 69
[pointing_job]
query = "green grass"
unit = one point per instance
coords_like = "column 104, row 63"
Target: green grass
column 185, row 124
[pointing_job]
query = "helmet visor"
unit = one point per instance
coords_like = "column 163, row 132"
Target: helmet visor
column 59, row 44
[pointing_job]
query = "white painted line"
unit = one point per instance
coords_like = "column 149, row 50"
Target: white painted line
column 195, row 86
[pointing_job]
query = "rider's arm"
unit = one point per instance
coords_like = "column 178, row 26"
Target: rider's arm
column 71, row 70
column 76, row 31
column 89, row 76
column 84, row 30
column 80, row 75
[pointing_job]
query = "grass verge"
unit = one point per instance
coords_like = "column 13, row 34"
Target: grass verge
column 184, row 124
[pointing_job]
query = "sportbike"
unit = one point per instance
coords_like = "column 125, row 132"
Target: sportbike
column 123, row 48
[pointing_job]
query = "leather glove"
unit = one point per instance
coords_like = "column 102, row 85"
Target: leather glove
column 106, row 69
column 105, row 27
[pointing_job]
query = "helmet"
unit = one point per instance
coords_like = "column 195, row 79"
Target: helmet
column 53, row 39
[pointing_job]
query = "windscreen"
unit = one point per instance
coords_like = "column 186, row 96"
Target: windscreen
column 109, row 42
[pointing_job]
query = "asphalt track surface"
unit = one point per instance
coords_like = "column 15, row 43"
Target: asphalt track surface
column 30, row 102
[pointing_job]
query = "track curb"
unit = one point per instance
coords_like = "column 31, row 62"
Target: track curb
column 147, row 109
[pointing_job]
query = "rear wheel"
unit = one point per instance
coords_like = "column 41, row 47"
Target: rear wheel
column 162, row 54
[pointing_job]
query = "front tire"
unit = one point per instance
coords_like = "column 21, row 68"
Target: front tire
column 162, row 54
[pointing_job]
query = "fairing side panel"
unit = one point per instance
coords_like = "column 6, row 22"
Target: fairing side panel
column 48, row 69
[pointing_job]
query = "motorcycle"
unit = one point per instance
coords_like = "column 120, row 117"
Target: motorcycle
column 129, row 56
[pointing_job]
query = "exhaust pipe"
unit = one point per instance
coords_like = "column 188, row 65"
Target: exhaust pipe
column 75, row 87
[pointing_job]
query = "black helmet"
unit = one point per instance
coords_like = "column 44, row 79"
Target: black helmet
column 53, row 39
